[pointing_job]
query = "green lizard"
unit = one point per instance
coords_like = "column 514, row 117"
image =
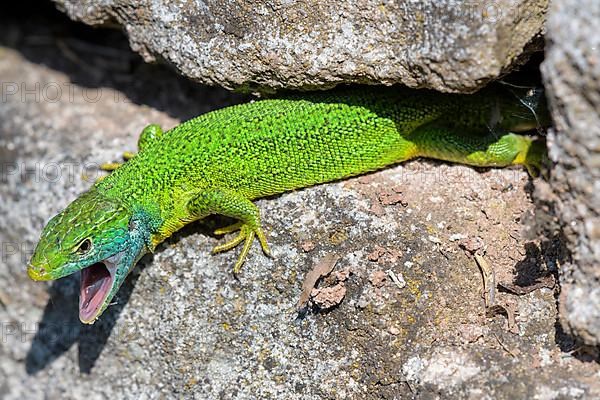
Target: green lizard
column 219, row 162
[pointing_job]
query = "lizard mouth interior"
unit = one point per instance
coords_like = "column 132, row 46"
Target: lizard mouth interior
column 96, row 283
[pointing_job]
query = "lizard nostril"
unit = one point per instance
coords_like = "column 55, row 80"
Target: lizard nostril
column 35, row 272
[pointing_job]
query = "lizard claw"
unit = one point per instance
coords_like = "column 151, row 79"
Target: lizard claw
column 228, row 229
column 245, row 235
column 110, row 166
column 128, row 155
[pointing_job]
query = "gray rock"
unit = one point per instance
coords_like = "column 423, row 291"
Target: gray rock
column 249, row 45
column 572, row 77
column 183, row 327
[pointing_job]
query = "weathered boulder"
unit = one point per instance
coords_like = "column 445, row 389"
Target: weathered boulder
column 446, row 45
column 183, row 326
column 572, row 79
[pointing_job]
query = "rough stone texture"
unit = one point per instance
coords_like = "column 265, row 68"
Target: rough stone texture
column 183, row 327
column 446, row 45
column 572, row 77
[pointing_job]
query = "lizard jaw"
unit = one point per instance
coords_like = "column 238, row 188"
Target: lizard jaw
column 97, row 282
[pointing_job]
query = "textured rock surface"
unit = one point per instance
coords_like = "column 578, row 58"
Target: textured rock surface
column 247, row 44
column 572, row 75
column 183, row 327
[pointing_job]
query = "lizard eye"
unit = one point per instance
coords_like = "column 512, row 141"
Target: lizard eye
column 84, row 246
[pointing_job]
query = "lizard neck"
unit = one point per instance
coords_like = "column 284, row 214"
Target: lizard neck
column 146, row 210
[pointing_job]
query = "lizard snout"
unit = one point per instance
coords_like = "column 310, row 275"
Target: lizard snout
column 37, row 273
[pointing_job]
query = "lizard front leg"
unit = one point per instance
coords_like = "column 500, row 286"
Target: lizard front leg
column 149, row 134
column 232, row 204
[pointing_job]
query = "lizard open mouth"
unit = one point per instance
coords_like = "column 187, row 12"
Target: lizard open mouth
column 97, row 281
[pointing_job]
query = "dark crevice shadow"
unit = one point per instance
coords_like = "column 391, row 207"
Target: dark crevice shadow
column 531, row 269
column 60, row 328
column 554, row 251
column 99, row 58
column 570, row 344
column 544, row 261
column 539, row 262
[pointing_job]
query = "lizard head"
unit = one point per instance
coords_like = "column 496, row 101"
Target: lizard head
column 95, row 235
column 523, row 109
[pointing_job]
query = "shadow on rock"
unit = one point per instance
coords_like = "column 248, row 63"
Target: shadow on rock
column 60, row 328
column 540, row 268
column 532, row 269
column 100, row 57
